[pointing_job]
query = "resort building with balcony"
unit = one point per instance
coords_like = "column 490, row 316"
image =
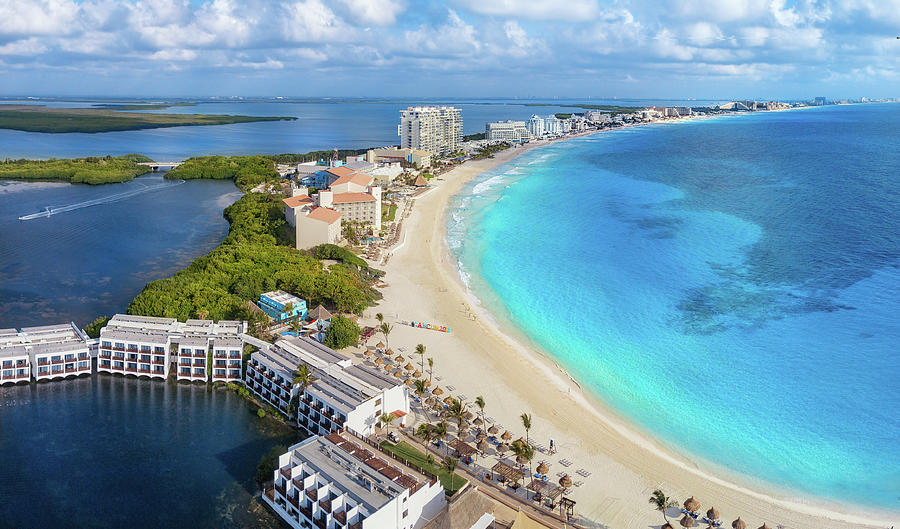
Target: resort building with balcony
column 342, row 481
column 148, row 346
column 227, row 359
column 270, row 376
column 44, row 352
column 342, row 395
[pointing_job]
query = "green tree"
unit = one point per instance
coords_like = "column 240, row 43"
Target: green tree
column 450, row 466
column 420, row 388
column 479, row 402
column 430, row 369
column 524, row 453
column 304, row 376
column 386, row 329
column 662, row 503
column 420, row 350
column 440, row 432
column 341, row 333
column 386, row 419
column 457, row 412
column 94, row 327
column 426, row 432
column 526, row 423
column 380, row 318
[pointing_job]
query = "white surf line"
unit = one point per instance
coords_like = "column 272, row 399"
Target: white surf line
column 49, row 210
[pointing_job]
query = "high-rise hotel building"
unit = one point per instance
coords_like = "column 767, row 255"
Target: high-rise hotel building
column 437, row 130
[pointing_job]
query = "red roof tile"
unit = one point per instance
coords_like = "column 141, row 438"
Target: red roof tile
column 340, row 170
column 349, row 198
column 326, row 215
column 361, row 179
column 299, row 200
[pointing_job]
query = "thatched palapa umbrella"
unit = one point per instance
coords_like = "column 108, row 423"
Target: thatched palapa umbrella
column 379, row 361
column 468, row 415
column 565, row 481
column 687, row 521
column 543, row 467
column 667, row 526
column 399, row 359
column 429, row 401
column 691, row 504
column 506, row 436
column 398, row 373
column 764, row 526
column 367, row 352
column 449, row 400
column 481, row 436
column 409, row 382
column 739, row 524
column 477, row 421
column 493, row 430
column 503, row 448
column 409, row 367
column 389, row 352
column 712, row 513
column 379, row 345
column 482, row 446
column 437, row 391
column 417, row 374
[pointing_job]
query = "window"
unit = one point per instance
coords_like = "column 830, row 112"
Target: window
column 406, row 512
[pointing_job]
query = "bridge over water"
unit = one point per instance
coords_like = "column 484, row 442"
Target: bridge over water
column 156, row 165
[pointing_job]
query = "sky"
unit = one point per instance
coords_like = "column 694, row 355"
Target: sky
column 704, row 49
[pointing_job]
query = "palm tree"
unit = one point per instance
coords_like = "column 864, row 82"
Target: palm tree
column 420, row 350
column 440, row 432
column 450, row 465
column 430, row 369
column 662, row 502
column 421, row 387
column 385, row 329
column 295, row 326
column 429, row 459
column 427, row 433
column 380, row 318
column 457, row 412
column 304, row 376
column 526, row 422
column 524, row 452
column 479, row 401
column 386, row 419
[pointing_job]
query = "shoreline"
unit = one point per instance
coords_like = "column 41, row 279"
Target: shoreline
column 646, row 462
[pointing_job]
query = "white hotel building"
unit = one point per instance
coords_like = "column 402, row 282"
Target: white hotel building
column 45, row 352
column 511, row 131
column 437, row 130
column 342, row 395
column 148, row 346
column 339, row 481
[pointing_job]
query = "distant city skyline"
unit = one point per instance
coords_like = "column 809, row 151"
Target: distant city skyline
column 701, row 49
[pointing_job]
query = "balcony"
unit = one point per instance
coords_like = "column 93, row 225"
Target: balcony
column 131, row 370
column 340, row 516
column 312, row 494
column 220, row 377
column 146, row 371
column 70, row 370
column 58, row 361
column 106, row 356
column 159, row 362
column 294, row 500
column 43, row 362
column 118, row 349
column 21, row 363
column 280, row 489
column 325, row 504
column 320, row 523
column 286, row 472
column 222, row 356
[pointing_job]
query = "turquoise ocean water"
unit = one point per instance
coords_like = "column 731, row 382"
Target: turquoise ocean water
column 731, row 285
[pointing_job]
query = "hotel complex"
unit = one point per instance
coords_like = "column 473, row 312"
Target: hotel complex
column 201, row 349
column 437, row 130
column 511, row 131
column 340, row 481
column 46, row 352
column 341, row 395
column 354, row 196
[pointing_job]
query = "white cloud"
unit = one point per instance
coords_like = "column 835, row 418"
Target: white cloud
column 26, row 47
column 40, row 17
column 312, row 21
column 572, row 10
column 374, row 12
column 453, row 38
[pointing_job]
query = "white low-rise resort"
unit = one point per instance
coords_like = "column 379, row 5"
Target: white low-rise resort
column 45, row 352
column 339, row 394
column 148, row 346
column 342, row 481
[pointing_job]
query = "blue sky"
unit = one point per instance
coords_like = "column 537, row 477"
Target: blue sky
column 464, row 48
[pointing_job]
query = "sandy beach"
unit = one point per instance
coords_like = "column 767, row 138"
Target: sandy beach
column 479, row 358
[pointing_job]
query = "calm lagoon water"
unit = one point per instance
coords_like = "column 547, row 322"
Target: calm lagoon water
column 731, row 285
column 108, row 451
column 114, row 239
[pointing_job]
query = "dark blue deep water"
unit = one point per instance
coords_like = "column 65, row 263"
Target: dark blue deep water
column 731, row 285
column 114, row 452
column 95, row 257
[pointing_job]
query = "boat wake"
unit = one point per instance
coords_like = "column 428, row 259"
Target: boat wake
column 115, row 197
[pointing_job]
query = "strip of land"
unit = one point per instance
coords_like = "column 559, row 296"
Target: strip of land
column 33, row 118
column 90, row 170
column 480, row 358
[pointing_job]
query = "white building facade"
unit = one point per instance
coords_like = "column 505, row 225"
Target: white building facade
column 437, row 130
column 45, row 352
column 340, row 481
column 511, row 131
